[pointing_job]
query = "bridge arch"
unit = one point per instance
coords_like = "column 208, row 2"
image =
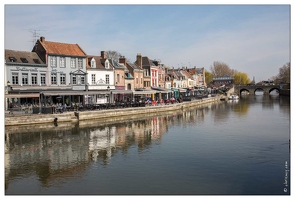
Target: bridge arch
column 253, row 88
column 273, row 89
column 243, row 90
column 259, row 89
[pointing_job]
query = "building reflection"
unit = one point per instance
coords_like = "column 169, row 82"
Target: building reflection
column 65, row 151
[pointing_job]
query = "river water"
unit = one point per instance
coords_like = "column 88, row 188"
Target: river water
column 231, row 148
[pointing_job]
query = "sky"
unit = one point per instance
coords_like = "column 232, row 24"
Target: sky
column 250, row 38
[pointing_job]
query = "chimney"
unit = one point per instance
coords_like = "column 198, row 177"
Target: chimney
column 42, row 39
column 122, row 60
column 103, row 54
column 139, row 60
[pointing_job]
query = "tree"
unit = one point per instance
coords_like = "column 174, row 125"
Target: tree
column 220, row 69
column 241, row 78
column 208, row 77
column 284, row 73
column 113, row 55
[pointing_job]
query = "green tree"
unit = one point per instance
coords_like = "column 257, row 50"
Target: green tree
column 241, row 78
column 208, row 77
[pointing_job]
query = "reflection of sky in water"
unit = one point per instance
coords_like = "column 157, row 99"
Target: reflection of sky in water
column 241, row 151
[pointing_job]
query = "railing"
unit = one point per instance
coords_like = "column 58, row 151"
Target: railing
column 75, row 107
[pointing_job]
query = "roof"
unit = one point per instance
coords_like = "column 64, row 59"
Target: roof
column 226, row 77
column 134, row 66
column 116, row 65
column 178, row 73
column 195, row 71
column 147, row 62
column 24, row 57
column 62, row 48
column 98, row 62
column 187, row 74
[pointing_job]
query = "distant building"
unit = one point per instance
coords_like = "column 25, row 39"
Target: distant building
column 224, row 80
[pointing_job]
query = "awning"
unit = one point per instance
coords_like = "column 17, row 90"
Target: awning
column 24, row 95
column 163, row 91
column 122, row 91
column 182, row 90
column 66, row 93
column 144, row 92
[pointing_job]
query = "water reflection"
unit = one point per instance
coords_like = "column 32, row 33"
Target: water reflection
column 54, row 154
column 51, row 152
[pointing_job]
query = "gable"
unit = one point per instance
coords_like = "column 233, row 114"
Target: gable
column 78, row 72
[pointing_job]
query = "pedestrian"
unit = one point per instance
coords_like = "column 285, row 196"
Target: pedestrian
column 10, row 108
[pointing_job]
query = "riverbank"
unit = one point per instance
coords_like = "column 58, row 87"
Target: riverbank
column 73, row 117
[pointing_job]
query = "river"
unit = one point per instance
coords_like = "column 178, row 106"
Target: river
column 227, row 148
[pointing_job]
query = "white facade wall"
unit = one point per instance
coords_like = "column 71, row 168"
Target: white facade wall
column 58, row 69
column 100, row 79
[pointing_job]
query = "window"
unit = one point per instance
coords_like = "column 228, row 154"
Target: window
column 80, row 63
column 24, row 60
column 63, row 79
column 136, row 80
column 25, row 79
column 62, row 62
column 93, row 79
column 43, row 79
column 93, row 64
column 118, row 78
column 53, row 79
column 15, row 78
column 73, row 63
column 107, row 79
column 107, row 64
column 34, row 79
column 82, row 79
column 37, row 61
column 12, row 59
column 53, row 61
column 74, row 80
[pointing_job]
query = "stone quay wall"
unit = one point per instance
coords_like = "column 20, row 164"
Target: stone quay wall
column 102, row 114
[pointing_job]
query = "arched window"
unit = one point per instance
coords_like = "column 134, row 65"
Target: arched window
column 93, row 64
column 107, row 64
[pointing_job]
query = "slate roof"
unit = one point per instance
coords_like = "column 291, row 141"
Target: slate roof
column 178, row 73
column 147, row 62
column 134, row 66
column 116, row 65
column 17, row 57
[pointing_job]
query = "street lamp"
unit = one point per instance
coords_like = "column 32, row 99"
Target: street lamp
column 8, row 86
column 108, row 95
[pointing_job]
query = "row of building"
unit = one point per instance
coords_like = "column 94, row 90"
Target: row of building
column 55, row 72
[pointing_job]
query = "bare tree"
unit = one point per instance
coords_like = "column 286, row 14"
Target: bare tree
column 284, row 73
column 220, row 69
column 113, row 55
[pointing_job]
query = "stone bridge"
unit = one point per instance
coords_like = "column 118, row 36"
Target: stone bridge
column 253, row 88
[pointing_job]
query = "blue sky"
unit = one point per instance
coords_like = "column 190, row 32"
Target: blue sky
column 254, row 39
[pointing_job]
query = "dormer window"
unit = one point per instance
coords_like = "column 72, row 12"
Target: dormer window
column 37, row 61
column 12, row 59
column 93, row 63
column 107, row 64
column 24, row 60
